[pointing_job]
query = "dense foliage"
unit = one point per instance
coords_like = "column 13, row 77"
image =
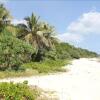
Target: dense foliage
column 13, row 52
column 11, row 91
column 33, row 43
column 67, row 51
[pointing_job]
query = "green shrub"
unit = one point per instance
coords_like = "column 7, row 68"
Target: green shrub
column 19, row 91
column 46, row 66
column 67, row 51
column 13, row 52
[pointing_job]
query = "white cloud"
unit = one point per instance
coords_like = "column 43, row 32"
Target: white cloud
column 15, row 22
column 68, row 37
column 87, row 24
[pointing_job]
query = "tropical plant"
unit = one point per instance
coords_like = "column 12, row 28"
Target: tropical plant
column 67, row 51
column 13, row 52
column 4, row 17
column 19, row 91
column 38, row 34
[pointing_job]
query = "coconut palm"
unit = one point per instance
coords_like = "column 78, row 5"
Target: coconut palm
column 38, row 34
column 4, row 16
column 48, row 32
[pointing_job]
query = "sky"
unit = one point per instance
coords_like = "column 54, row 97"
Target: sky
column 76, row 21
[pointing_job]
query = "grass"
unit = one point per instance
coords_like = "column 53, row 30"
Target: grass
column 36, row 68
column 21, row 91
column 18, row 91
column 7, row 74
column 47, row 66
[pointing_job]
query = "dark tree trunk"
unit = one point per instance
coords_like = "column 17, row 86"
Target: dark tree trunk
column 38, row 56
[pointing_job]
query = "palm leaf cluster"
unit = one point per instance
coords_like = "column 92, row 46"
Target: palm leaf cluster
column 4, row 15
column 37, row 33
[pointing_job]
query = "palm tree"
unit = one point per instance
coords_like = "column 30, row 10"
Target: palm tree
column 4, row 17
column 38, row 34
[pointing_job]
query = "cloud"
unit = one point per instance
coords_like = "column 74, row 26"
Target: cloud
column 68, row 37
column 87, row 24
column 16, row 21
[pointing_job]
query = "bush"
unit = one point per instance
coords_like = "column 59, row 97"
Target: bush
column 13, row 52
column 67, row 51
column 11, row 91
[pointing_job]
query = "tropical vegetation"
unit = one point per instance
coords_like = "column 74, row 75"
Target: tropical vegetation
column 33, row 45
column 31, row 48
column 19, row 91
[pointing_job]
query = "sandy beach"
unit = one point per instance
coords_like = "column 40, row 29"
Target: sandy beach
column 81, row 82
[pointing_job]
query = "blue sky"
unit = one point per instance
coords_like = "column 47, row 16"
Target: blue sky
column 76, row 21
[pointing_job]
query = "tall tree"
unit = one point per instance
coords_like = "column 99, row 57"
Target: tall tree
column 4, row 17
column 38, row 34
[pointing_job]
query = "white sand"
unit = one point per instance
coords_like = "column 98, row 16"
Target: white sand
column 82, row 82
